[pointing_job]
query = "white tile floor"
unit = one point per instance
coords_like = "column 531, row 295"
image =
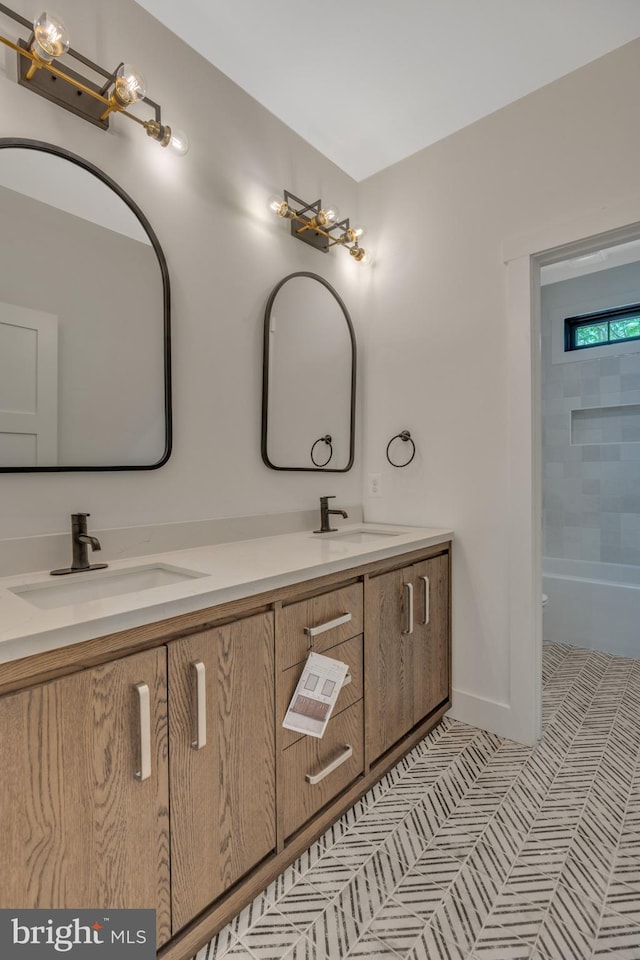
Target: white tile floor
column 476, row 847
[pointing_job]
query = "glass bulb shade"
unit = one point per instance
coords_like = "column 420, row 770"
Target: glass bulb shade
column 50, row 37
column 178, row 142
column 327, row 216
column 130, row 85
column 278, row 206
column 352, row 234
column 360, row 255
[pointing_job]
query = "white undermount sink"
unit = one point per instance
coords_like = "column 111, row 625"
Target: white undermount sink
column 358, row 536
column 98, row 584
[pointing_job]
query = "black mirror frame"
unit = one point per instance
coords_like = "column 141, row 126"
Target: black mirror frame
column 43, row 147
column 265, row 376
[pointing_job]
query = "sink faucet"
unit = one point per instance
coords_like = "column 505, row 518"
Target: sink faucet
column 324, row 515
column 80, row 541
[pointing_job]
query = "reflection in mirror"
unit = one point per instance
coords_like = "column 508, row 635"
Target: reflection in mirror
column 309, row 377
column 84, row 319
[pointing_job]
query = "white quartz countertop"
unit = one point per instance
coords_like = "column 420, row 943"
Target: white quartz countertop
column 226, row 571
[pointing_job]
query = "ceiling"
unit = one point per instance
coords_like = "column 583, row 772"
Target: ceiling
column 370, row 82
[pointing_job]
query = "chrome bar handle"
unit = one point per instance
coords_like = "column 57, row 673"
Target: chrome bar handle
column 145, row 731
column 409, row 589
column 200, row 692
column 344, row 756
column 329, row 625
column 427, row 604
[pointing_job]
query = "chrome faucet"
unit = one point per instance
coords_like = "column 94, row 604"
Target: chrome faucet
column 324, row 515
column 80, row 541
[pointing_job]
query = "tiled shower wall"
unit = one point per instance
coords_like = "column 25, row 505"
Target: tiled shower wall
column 591, row 489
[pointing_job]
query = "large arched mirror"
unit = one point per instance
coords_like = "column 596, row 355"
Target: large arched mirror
column 309, row 377
column 84, row 319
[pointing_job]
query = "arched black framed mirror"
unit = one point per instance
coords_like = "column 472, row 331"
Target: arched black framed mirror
column 308, row 377
column 85, row 351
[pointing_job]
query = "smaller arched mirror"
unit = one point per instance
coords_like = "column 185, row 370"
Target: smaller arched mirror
column 309, row 377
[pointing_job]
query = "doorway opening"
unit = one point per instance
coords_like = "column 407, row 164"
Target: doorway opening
column 590, row 408
column 525, row 258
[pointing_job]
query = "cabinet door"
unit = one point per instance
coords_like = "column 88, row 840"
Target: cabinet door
column 223, row 767
column 389, row 686
column 79, row 827
column 406, row 649
column 430, row 580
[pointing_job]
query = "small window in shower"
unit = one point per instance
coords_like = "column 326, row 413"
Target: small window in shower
column 607, row 326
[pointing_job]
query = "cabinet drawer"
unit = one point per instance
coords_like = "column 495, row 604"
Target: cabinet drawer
column 320, row 614
column 349, row 652
column 333, row 762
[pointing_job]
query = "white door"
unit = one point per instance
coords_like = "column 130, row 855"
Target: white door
column 28, row 387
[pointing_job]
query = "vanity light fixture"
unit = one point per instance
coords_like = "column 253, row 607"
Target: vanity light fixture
column 39, row 70
column 319, row 225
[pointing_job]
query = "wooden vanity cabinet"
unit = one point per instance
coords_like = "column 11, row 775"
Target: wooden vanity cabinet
column 407, row 649
column 150, row 768
column 84, row 790
column 222, row 748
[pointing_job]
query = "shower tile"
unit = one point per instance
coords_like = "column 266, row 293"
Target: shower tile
column 610, row 366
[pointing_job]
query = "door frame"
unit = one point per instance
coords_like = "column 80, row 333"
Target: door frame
column 523, row 257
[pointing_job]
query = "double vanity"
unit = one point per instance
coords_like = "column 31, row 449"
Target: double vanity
column 144, row 759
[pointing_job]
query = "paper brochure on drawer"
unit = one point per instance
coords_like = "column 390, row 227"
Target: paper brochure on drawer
column 315, row 696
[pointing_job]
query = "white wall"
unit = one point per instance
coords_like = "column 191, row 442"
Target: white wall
column 436, row 352
column 225, row 252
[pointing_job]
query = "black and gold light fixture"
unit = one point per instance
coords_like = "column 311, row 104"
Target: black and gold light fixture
column 40, row 70
column 319, row 225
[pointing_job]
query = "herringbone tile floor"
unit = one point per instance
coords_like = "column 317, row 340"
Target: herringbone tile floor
column 477, row 848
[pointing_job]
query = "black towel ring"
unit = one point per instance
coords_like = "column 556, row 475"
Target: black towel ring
column 405, row 436
column 326, row 439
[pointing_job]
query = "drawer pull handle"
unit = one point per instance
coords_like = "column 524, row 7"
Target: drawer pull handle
column 200, row 685
column 344, row 756
column 425, row 580
column 347, row 680
column 409, row 588
column 329, row 625
column 145, row 731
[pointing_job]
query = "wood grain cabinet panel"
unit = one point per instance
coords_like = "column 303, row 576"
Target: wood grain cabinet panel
column 431, row 635
column 310, row 757
column 79, row 829
column 294, row 644
column 222, row 792
column 406, row 650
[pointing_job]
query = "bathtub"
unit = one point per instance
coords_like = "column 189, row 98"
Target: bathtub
column 592, row 605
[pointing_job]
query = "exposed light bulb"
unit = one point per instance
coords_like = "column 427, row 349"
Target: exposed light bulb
column 130, row 85
column 327, row 216
column 360, row 255
column 278, row 206
column 352, row 234
column 178, row 142
column 50, row 37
